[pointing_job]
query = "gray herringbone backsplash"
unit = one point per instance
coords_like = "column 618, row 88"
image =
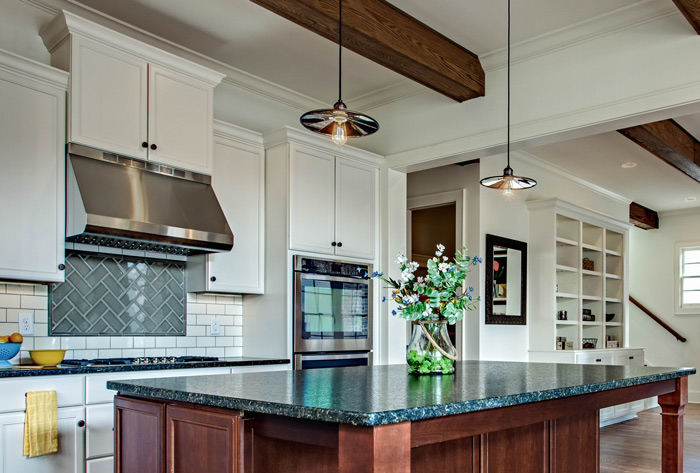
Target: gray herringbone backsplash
column 118, row 295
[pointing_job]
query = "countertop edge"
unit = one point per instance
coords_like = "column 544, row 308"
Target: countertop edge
column 386, row 417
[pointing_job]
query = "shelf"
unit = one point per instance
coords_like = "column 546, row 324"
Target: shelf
column 592, row 298
column 612, row 299
column 564, row 295
column 567, row 322
column 499, row 299
column 598, row 324
column 561, row 267
column 613, row 253
column 613, row 324
column 586, row 246
column 566, row 241
column 612, row 276
column 588, row 272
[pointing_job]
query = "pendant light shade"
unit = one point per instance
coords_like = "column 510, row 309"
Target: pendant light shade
column 507, row 183
column 339, row 122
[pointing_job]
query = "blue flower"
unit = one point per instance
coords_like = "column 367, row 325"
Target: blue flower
column 471, row 289
column 393, row 312
column 383, row 298
column 469, row 296
column 377, row 274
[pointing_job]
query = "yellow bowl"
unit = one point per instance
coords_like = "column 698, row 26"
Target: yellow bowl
column 47, row 357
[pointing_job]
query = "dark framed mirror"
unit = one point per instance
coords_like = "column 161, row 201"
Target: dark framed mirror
column 506, row 281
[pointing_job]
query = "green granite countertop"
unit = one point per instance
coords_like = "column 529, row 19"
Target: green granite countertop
column 387, row 394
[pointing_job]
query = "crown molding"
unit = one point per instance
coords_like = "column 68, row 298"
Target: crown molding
column 228, row 130
column 590, row 29
column 579, row 213
column 33, row 70
column 285, row 135
column 549, row 167
column 399, row 90
column 672, row 213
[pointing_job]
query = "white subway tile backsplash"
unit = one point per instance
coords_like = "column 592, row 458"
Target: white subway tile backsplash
column 144, row 342
column 111, row 353
column 73, row 343
column 22, row 289
column 165, row 342
column 122, row 342
column 41, row 316
column 198, row 341
column 154, row 352
column 206, row 341
column 218, row 351
column 10, row 301
column 97, row 342
column 13, row 315
column 196, row 330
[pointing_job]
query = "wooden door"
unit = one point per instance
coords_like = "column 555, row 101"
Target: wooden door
column 202, row 440
column 139, row 435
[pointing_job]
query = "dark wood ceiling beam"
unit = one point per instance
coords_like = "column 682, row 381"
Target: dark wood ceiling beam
column 388, row 36
column 691, row 12
column 643, row 217
column 669, row 141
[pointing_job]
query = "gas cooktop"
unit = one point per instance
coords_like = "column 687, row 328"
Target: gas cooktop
column 143, row 360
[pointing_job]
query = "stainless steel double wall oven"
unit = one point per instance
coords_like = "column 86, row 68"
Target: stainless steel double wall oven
column 332, row 313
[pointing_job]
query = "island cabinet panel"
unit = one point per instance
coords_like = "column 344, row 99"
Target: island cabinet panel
column 139, row 434
column 575, row 443
column 460, row 455
column 523, row 449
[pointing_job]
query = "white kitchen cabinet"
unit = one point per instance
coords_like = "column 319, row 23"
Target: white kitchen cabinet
column 32, row 164
column 99, row 430
column 332, row 203
column 71, row 445
column 131, row 98
column 100, row 465
column 238, row 179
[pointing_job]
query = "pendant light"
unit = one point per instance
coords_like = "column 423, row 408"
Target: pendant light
column 508, row 182
column 340, row 123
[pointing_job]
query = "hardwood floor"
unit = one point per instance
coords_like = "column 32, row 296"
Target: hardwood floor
column 635, row 446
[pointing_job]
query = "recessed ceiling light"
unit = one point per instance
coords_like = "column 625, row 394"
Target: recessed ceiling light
column 690, row 199
column 628, row 165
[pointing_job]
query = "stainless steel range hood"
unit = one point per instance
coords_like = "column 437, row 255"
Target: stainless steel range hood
column 130, row 204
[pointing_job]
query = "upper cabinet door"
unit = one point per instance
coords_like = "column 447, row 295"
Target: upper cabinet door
column 180, row 124
column 311, row 200
column 32, row 173
column 108, row 104
column 355, row 204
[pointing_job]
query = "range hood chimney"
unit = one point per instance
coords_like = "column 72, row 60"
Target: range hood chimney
column 125, row 203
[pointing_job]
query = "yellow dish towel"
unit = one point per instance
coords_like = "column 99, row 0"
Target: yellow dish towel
column 41, row 424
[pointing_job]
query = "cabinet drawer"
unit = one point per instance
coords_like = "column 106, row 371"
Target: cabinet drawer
column 99, row 431
column 260, row 368
column 101, row 465
column 97, row 392
column 69, row 390
column 594, row 359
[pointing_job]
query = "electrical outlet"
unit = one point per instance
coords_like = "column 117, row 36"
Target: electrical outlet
column 26, row 323
column 215, row 326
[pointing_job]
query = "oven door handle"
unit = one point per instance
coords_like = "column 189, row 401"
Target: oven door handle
column 326, row 356
column 325, row 277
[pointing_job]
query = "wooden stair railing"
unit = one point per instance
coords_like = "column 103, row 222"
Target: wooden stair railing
column 678, row 336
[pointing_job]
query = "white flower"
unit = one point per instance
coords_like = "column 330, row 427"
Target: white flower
column 440, row 249
column 428, row 311
column 412, row 266
column 435, row 259
column 407, row 276
column 443, row 267
column 401, row 259
column 420, row 279
column 445, row 258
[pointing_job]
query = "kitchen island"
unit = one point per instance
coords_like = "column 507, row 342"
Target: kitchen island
column 487, row 417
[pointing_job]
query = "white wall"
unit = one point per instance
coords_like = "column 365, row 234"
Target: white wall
column 652, row 277
column 490, row 213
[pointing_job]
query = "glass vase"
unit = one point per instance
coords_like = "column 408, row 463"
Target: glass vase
column 430, row 350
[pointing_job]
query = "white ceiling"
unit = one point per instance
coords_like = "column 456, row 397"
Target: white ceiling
column 248, row 37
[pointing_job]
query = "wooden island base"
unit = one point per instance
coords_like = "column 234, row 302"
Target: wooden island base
column 561, row 435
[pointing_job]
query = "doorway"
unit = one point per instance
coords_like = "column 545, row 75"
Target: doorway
column 433, row 219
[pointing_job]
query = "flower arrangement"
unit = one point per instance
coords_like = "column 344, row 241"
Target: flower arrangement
column 437, row 296
column 431, row 302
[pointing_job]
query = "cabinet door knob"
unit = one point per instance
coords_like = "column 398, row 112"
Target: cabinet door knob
column 340, row 244
column 144, row 145
column 631, row 358
column 61, row 267
column 333, row 244
column 81, row 423
column 154, row 147
column 598, row 360
column 212, row 279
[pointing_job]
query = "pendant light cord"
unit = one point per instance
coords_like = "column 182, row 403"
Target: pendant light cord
column 340, row 50
column 508, row 93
